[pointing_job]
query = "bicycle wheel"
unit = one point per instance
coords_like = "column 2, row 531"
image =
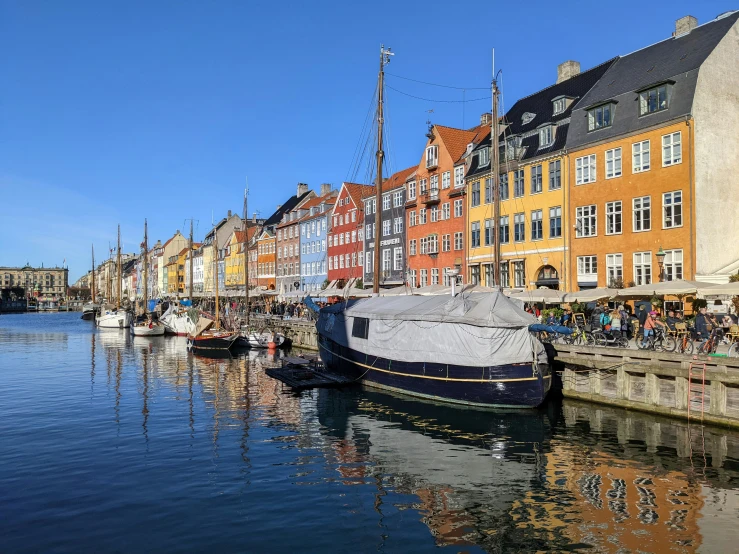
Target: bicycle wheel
column 623, row 342
column 599, row 339
column 686, row 347
column 734, row 350
column 669, row 344
column 638, row 340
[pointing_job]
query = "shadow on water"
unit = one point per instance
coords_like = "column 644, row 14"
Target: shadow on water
column 169, row 450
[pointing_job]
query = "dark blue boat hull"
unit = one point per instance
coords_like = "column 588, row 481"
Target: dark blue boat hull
column 503, row 386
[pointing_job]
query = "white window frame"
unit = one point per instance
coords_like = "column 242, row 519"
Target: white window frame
column 587, row 268
column 446, row 179
column 458, row 208
column 642, row 260
column 586, row 219
column 613, row 163
column 614, row 268
column 445, row 211
column 641, row 157
column 412, row 190
column 639, row 208
column 519, row 273
column 397, row 225
column 672, row 149
column 386, row 227
column 386, row 259
column 397, row 199
column 432, row 156
column 673, row 260
column 586, row 169
column 459, row 176
column 412, row 245
column 537, row 216
column 613, row 209
column 398, row 258
column 671, row 208
column 385, row 202
column 412, row 218
column 459, row 240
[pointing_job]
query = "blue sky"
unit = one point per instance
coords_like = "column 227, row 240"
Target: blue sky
column 111, row 112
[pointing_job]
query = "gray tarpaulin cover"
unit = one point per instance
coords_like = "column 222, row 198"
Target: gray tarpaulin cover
column 478, row 329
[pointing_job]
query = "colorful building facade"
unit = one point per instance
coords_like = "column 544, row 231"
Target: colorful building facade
column 346, row 234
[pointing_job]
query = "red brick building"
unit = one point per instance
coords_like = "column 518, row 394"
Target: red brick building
column 345, row 237
column 435, row 206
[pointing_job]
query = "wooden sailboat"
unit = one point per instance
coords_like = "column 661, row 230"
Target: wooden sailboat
column 116, row 318
column 208, row 335
column 147, row 327
column 90, row 310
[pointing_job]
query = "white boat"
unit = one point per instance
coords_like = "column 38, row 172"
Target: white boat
column 113, row 319
column 261, row 339
column 177, row 321
column 147, row 329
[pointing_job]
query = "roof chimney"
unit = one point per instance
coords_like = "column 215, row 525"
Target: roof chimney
column 302, row 189
column 684, row 25
column 486, row 118
column 229, row 214
column 567, row 70
column 325, row 189
column 279, row 206
column 254, row 217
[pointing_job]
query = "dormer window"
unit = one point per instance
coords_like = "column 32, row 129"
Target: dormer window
column 546, row 136
column 527, row 118
column 432, row 156
column 312, row 211
column 600, row 117
column 484, row 156
column 653, row 100
column 559, row 105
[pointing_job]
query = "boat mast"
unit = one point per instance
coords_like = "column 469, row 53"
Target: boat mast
column 215, row 256
column 384, row 60
column 118, row 268
column 191, row 256
column 246, row 256
column 146, row 268
column 92, row 279
column 496, row 185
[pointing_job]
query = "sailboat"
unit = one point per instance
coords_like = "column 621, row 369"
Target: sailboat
column 90, row 309
column 176, row 318
column 147, row 327
column 207, row 334
column 473, row 349
column 115, row 318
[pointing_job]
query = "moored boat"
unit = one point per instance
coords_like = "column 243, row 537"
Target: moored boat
column 148, row 328
column 177, row 321
column 114, row 318
column 89, row 311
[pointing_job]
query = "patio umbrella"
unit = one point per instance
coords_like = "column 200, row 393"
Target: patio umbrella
column 727, row 289
column 590, row 295
column 680, row 287
column 544, row 295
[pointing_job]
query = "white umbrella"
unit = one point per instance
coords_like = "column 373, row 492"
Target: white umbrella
column 544, row 295
column 727, row 289
column 590, row 295
column 680, row 287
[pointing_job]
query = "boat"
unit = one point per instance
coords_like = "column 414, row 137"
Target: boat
column 147, row 326
column 263, row 339
column 90, row 310
column 177, row 320
column 207, row 335
column 474, row 349
column 115, row 317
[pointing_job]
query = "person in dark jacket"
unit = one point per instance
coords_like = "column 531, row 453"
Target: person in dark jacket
column 671, row 320
column 703, row 327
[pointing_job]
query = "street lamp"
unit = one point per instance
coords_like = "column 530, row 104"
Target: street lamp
column 661, row 263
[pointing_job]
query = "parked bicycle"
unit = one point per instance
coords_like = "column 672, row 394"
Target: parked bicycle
column 606, row 338
column 710, row 345
column 684, row 344
column 581, row 337
column 658, row 341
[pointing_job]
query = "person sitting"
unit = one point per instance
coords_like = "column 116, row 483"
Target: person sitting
column 671, row 320
column 703, row 327
column 605, row 321
column 616, row 323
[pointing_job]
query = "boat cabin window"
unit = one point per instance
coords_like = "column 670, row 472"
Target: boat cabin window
column 360, row 328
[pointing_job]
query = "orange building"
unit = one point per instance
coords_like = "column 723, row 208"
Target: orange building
column 266, row 258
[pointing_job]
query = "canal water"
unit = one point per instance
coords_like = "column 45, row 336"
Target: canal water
column 110, row 443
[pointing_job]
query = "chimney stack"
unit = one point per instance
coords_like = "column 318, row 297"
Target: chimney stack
column 567, row 69
column 302, row 189
column 229, row 214
column 684, row 25
column 486, row 118
column 325, row 189
column 254, row 217
column 279, row 206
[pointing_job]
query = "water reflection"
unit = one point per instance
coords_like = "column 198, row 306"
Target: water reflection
column 213, row 448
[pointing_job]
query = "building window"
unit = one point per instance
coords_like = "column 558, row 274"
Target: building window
column 546, row 137
column 432, row 156
column 484, row 156
column 518, row 183
column 446, row 179
column 386, row 202
column 585, row 221
column 555, row 175
column 642, row 268
column 475, row 198
column 640, row 156
column 489, row 232
column 458, row 208
column 488, row 190
column 397, row 199
column 585, row 170
column 673, row 265
column 672, row 152
column 559, row 105
column 434, row 214
column 341, row 262
column 434, row 276
column 386, row 228
column 412, row 278
column 422, row 187
column 446, row 243
column 458, row 241
column 412, row 190
column 600, row 117
column 613, row 218
column 422, row 216
column 613, row 163
column 368, row 261
column 504, row 186
column 614, row 269
column 433, row 244
column 642, row 214
column 424, row 245
column 412, row 218
column 519, row 274
column 653, row 100
column 447, row 277
column 519, row 227
column 537, row 230
column 536, row 184
column 434, row 184
column 672, row 206
column 398, row 258
column 475, row 237
column 412, row 247
column 459, row 176
column 424, row 277
column 505, row 276
column 504, row 230
column 555, row 222
column 398, row 225
column 587, row 268
column 445, row 210
column 475, row 274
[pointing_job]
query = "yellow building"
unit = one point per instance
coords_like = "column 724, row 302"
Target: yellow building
column 533, row 185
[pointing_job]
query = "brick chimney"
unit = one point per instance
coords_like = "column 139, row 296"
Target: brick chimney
column 567, row 70
column 325, row 189
column 302, row 189
column 229, row 214
column 254, row 217
column 486, row 118
column 684, row 25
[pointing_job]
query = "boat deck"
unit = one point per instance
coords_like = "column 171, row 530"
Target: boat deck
column 306, row 373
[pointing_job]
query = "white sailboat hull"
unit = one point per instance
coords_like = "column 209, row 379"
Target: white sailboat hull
column 143, row 330
column 114, row 320
column 177, row 323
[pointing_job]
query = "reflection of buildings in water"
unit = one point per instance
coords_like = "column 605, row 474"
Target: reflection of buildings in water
column 11, row 339
column 720, row 512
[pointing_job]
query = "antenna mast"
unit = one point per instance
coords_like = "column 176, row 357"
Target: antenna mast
column 246, row 254
column 191, row 256
column 496, row 182
column 384, row 60
column 92, row 280
column 118, row 269
column 146, row 267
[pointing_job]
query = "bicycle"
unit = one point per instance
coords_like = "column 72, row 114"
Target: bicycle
column 580, row 337
column 658, row 341
column 607, row 338
column 684, row 344
column 711, row 344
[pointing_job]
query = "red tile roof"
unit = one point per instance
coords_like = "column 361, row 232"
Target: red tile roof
column 359, row 192
column 456, row 140
column 398, row 179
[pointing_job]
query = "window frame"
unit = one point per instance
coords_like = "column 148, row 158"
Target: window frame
column 616, row 161
column 641, row 210
column 593, row 112
column 580, row 216
column 673, row 160
column 537, row 223
column 611, row 211
column 640, row 167
column 638, row 280
column 592, row 169
column 671, row 208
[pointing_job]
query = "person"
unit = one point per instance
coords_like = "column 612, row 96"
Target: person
column 642, row 316
column 671, row 320
column 605, row 321
column 650, row 324
column 624, row 317
column 566, row 318
column 703, row 327
column 616, row 323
